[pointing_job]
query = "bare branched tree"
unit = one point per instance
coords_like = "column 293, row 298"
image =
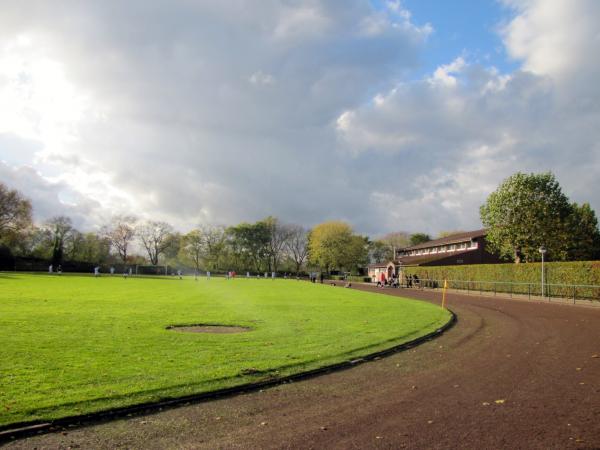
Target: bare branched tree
column 297, row 245
column 120, row 233
column 280, row 235
column 154, row 236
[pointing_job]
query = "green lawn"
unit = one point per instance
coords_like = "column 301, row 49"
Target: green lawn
column 76, row 344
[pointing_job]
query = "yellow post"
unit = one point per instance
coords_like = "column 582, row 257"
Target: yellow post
column 444, row 294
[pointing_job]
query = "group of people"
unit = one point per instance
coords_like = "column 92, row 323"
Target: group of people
column 58, row 269
column 394, row 281
column 126, row 273
column 313, row 277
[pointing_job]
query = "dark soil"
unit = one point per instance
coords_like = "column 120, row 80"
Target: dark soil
column 216, row 329
column 509, row 375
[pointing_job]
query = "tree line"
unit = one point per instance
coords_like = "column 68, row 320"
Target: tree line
column 527, row 211
column 268, row 245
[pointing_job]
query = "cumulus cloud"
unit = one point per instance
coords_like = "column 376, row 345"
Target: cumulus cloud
column 227, row 111
column 456, row 134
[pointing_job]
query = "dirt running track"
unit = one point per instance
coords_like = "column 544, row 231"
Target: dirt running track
column 509, row 374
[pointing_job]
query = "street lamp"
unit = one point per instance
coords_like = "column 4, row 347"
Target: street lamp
column 543, row 252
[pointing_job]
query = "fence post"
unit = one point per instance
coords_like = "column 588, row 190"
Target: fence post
column 529, row 290
column 494, row 288
column 574, row 293
column 510, row 290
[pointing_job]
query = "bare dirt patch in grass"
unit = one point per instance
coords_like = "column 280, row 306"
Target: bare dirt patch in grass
column 214, row 329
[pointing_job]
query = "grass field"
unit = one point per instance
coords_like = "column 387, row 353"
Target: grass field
column 76, row 344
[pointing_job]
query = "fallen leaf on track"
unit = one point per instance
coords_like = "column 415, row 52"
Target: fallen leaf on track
column 485, row 404
column 500, row 402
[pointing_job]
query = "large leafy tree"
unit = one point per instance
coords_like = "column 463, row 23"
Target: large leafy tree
column 526, row 212
column 379, row 252
column 419, row 238
column 15, row 213
column 250, row 245
column 585, row 236
column 193, row 249
column 89, row 247
column 61, row 229
column 333, row 245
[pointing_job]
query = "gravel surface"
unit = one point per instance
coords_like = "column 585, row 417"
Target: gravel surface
column 510, row 374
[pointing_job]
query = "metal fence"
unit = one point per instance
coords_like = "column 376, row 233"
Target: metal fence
column 551, row 291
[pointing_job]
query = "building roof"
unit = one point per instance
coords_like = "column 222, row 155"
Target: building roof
column 422, row 259
column 452, row 239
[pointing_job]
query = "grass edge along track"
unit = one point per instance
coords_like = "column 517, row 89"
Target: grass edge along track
column 75, row 344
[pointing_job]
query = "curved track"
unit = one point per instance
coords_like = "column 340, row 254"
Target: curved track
column 509, row 374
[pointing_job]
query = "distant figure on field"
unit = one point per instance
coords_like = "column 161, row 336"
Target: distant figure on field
column 207, row 275
column 50, row 268
column 247, row 274
column 272, row 275
column 321, row 277
column 112, row 271
column 179, row 274
column 59, row 269
column 97, row 271
column 130, row 271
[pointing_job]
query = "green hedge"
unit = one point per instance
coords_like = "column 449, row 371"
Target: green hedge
column 568, row 273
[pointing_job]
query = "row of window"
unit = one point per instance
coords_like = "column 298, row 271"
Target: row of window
column 441, row 249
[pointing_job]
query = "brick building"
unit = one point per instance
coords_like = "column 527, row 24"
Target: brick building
column 460, row 248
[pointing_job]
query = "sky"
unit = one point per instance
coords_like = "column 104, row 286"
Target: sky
column 389, row 115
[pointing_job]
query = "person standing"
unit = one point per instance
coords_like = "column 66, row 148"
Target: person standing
column 97, row 271
column 50, row 268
